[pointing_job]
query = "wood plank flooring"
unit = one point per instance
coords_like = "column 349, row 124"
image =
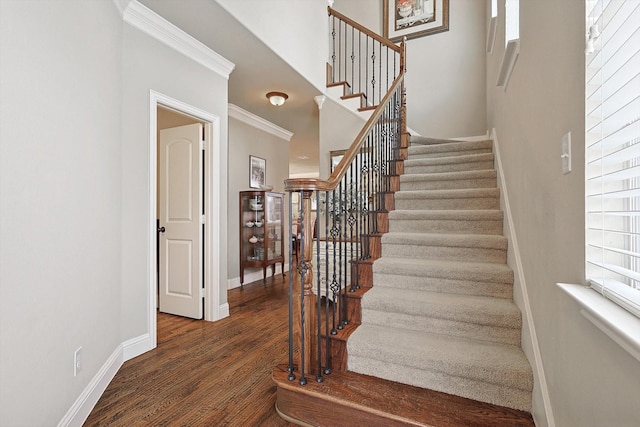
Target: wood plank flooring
column 206, row 373
column 220, row 374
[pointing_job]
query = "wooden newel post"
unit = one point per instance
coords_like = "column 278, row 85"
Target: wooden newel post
column 304, row 299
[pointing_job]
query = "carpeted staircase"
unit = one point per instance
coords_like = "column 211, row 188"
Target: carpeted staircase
column 440, row 314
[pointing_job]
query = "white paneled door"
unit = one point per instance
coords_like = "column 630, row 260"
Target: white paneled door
column 180, row 226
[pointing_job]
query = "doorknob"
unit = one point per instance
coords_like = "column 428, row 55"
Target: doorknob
column 161, row 229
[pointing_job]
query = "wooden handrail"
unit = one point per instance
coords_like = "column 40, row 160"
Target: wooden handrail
column 388, row 43
column 313, row 184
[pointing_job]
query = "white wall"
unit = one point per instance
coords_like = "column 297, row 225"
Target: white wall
column 445, row 72
column 244, row 141
column 338, row 130
column 592, row 381
column 150, row 65
column 274, row 22
column 60, row 213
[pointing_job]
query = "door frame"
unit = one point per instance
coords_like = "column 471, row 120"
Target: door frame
column 212, row 196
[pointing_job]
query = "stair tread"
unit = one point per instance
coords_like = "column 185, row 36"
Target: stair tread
column 481, row 310
column 493, row 363
column 453, row 193
column 464, row 158
column 423, row 140
column 446, row 214
column 452, row 146
column 441, row 176
column 461, row 270
column 487, row 241
column 404, row 404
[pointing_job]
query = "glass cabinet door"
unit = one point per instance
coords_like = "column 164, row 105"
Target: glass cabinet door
column 273, row 226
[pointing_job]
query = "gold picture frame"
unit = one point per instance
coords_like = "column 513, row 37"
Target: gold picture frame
column 414, row 18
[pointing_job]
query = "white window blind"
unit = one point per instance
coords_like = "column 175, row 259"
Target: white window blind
column 613, row 150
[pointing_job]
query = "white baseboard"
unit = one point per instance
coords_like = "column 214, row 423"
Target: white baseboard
column 223, row 311
column 81, row 408
column 252, row 276
column 136, row 346
column 519, row 272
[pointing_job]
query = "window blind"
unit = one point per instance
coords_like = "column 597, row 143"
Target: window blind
column 613, row 150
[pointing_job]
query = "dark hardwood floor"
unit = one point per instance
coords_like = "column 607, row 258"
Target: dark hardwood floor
column 220, row 374
column 206, row 373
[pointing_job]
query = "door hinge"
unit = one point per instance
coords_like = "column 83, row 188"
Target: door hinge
column 203, row 145
column 203, row 219
column 201, row 292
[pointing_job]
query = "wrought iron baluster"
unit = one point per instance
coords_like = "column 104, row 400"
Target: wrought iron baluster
column 319, row 377
column 327, row 365
column 290, row 367
column 302, row 271
column 335, row 234
column 360, row 62
column 333, row 50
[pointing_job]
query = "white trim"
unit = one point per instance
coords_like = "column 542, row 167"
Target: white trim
column 134, row 347
column 258, row 122
column 144, row 19
column 82, row 407
column 213, row 245
column 511, row 53
column 491, row 36
column 250, row 277
column 121, row 5
column 320, row 100
column 617, row 323
column 223, row 310
column 513, row 243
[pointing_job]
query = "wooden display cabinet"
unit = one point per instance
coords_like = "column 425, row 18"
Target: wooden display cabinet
column 261, row 231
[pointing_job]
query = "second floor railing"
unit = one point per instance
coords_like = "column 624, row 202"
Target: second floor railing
column 339, row 239
column 363, row 60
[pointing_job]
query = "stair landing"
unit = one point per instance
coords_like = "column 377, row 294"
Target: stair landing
column 361, row 400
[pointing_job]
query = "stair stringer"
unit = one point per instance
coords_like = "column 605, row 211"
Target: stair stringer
column 541, row 408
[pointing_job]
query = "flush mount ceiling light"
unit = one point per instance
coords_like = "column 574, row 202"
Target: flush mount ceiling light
column 277, row 98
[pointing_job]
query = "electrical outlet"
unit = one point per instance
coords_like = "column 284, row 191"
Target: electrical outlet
column 77, row 361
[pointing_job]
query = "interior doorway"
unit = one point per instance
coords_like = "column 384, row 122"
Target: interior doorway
column 165, row 111
column 180, row 207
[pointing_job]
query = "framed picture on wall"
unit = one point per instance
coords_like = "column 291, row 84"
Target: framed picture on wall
column 257, row 171
column 414, row 18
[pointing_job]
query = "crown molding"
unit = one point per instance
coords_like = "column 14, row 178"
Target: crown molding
column 258, row 122
column 320, row 100
column 144, row 19
column 121, row 5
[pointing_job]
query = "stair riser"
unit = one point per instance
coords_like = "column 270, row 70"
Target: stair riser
column 423, row 154
column 424, row 322
column 448, row 184
column 444, row 226
column 448, row 204
column 497, row 394
column 449, row 167
column 445, row 253
column 495, row 289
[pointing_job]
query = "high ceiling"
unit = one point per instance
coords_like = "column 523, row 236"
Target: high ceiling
column 258, row 70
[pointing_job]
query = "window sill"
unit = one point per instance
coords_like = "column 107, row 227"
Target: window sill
column 617, row 323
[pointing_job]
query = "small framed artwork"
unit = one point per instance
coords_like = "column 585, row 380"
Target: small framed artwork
column 257, row 172
column 414, row 18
